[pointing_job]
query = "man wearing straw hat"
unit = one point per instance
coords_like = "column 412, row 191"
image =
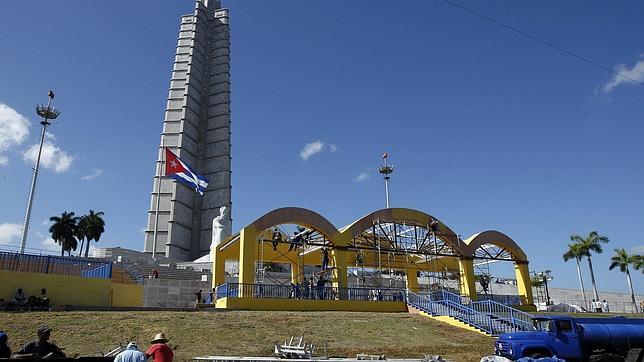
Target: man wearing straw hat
column 159, row 350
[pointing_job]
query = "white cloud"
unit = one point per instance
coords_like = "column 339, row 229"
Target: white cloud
column 638, row 250
column 310, row 149
column 318, row 146
column 10, row 233
column 14, row 130
column 362, row 176
column 142, row 230
column 52, row 158
column 48, row 242
column 95, row 173
column 635, row 73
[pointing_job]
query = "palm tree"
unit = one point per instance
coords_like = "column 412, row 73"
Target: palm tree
column 95, row 227
column 621, row 259
column 63, row 230
column 638, row 262
column 590, row 244
column 81, row 232
column 575, row 252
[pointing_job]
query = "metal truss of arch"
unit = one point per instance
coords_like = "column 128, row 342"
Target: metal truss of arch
column 402, row 231
column 393, row 237
column 493, row 245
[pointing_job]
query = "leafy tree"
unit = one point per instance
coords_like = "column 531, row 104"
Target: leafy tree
column 590, row 244
column 575, row 251
column 95, row 227
column 81, row 232
column 63, row 230
column 621, row 259
column 536, row 281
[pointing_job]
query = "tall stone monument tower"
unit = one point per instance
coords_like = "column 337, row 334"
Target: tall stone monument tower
column 197, row 128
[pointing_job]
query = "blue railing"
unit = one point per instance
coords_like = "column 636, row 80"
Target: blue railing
column 55, row 265
column 272, row 291
column 505, row 314
column 488, row 316
column 103, row 272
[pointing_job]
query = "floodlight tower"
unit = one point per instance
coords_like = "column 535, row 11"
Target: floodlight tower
column 546, row 276
column 47, row 113
column 386, row 170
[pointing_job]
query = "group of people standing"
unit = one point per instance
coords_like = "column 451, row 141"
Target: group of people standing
column 600, row 306
column 309, row 289
column 42, row 348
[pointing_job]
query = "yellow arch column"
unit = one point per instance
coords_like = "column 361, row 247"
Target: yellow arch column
column 297, row 271
column 247, row 248
column 218, row 267
column 412, row 279
column 468, row 284
column 523, row 282
column 339, row 273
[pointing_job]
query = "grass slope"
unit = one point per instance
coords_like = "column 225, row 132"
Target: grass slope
column 251, row 333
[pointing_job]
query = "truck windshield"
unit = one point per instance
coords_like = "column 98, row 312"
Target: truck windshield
column 544, row 325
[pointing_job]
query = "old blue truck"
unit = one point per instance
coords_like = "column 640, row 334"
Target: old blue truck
column 573, row 339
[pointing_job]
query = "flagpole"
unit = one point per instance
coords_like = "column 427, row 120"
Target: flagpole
column 156, row 213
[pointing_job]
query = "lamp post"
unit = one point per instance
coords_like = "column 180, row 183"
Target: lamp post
column 47, row 113
column 386, row 170
column 546, row 277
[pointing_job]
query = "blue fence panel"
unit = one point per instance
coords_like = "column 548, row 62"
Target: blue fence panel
column 274, row 291
column 47, row 264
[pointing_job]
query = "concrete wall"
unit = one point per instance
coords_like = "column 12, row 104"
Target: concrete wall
column 170, row 293
column 619, row 302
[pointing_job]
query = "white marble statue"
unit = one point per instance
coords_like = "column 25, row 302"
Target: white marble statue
column 220, row 227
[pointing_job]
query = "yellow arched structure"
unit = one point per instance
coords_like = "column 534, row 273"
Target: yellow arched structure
column 243, row 247
column 518, row 256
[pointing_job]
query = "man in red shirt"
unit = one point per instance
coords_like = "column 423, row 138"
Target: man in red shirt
column 159, row 350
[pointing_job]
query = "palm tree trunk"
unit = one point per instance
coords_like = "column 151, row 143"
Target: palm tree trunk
column 581, row 283
column 62, row 249
column 87, row 249
column 630, row 286
column 81, row 248
column 592, row 278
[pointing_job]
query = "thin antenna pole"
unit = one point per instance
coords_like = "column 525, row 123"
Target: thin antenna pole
column 387, row 185
column 156, row 213
column 386, row 170
column 46, row 113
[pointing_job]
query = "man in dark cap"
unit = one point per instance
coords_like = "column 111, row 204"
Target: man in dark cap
column 5, row 351
column 42, row 347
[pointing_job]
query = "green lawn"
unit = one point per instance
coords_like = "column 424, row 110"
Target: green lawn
column 251, row 333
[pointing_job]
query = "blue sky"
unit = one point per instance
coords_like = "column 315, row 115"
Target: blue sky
column 487, row 129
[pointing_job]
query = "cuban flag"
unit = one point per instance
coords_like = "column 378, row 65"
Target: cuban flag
column 181, row 172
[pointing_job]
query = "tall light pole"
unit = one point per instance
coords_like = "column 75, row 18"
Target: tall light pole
column 47, row 113
column 386, row 170
column 545, row 278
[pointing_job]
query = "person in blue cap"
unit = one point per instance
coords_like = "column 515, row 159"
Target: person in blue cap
column 131, row 354
column 5, row 351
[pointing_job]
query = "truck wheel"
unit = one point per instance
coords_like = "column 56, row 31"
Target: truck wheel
column 537, row 355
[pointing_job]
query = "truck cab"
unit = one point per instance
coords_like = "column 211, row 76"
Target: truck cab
column 554, row 336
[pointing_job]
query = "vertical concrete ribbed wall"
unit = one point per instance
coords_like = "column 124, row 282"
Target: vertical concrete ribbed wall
column 197, row 128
